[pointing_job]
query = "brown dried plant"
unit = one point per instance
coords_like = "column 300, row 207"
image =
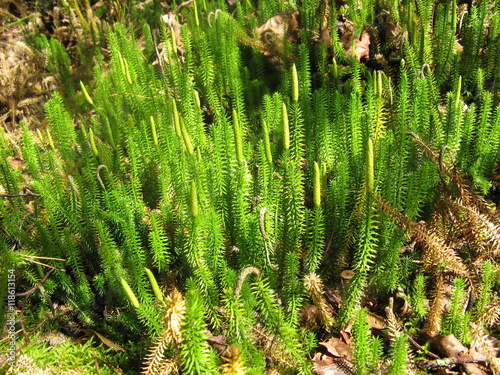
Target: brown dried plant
column 463, row 229
column 437, row 254
column 485, row 346
column 491, row 316
column 315, row 288
column 274, row 347
column 433, row 324
column 234, row 364
column 155, row 362
column 391, row 322
column 462, row 217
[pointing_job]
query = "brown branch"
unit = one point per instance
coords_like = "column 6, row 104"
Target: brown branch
column 25, row 334
column 450, row 362
column 29, row 292
column 419, row 347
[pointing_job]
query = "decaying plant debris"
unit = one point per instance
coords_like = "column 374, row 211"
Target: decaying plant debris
column 26, row 85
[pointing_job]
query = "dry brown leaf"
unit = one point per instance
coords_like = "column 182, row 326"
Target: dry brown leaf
column 337, row 348
column 104, row 340
column 217, row 342
column 274, row 25
column 394, row 32
column 391, row 30
column 361, row 44
column 450, row 347
column 325, row 365
column 15, row 162
column 346, row 335
column 273, row 34
column 278, row 26
column 323, row 359
column 376, row 321
column 174, row 26
column 332, row 369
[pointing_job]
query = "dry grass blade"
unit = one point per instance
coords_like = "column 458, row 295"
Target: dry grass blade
column 155, row 363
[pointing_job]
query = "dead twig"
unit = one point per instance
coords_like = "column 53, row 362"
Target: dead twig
column 32, row 290
column 449, row 362
column 419, row 347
